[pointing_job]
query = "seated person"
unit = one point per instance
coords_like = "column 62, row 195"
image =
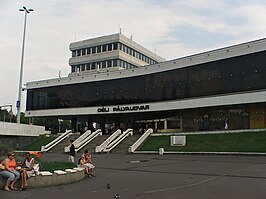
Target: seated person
column 29, row 168
column 10, row 172
column 86, row 162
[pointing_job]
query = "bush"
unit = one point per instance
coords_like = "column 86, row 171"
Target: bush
column 3, row 150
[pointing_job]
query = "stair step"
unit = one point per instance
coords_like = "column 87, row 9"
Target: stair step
column 95, row 142
column 122, row 148
column 61, row 146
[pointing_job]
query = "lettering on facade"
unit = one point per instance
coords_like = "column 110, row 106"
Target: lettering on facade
column 124, row 108
column 102, row 109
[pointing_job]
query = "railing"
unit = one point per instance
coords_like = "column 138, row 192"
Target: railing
column 132, row 148
column 107, row 141
column 57, row 140
column 118, row 140
column 78, row 141
column 88, row 139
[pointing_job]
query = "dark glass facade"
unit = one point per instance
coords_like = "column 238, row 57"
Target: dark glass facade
column 238, row 74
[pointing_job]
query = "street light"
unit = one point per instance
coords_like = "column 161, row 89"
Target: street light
column 26, row 11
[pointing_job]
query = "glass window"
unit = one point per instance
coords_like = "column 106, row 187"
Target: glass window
column 109, row 46
column 104, row 48
column 83, row 51
column 137, row 54
column 115, row 62
column 93, row 66
column 87, row 66
column 82, row 67
column 121, row 63
column 104, row 64
column 160, row 125
column 93, row 50
column 88, row 51
column 72, row 69
column 98, row 65
column 115, row 46
column 74, row 53
column 78, row 52
column 173, row 124
column 98, row 49
column 109, row 63
column 121, row 46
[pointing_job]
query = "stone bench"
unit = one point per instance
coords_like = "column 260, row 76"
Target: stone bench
column 48, row 179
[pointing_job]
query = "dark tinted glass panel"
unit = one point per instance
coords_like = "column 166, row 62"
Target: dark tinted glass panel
column 83, row 51
column 104, row 48
column 109, row 46
column 93, row 65
column 93, row 49
column 72, row 69
column 98, row 49
column 73, row 53
column 115, row 62
column 115, row 46
column 238, row 74
column 88, row 50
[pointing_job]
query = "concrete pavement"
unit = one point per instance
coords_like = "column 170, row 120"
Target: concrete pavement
column 144, row 176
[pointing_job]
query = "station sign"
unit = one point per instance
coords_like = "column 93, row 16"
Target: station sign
column 123, row 108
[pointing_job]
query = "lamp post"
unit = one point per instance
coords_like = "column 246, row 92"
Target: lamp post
column 26, row 11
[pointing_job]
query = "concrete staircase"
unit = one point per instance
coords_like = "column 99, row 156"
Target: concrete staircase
column 91, row 146
column 122, row 148
column 60, row 147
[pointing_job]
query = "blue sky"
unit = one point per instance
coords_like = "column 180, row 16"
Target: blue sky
column 173, row 28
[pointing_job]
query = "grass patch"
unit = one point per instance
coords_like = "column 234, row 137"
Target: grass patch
column 37, row 144
column 231, row 142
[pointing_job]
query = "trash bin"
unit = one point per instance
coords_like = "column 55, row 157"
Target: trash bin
column 161, row 151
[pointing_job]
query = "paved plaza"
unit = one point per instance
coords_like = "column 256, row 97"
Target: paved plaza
column 168, row 176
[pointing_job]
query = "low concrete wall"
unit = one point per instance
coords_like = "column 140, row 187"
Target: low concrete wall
column 15, row 129
column 53, row 179
column 15, row 142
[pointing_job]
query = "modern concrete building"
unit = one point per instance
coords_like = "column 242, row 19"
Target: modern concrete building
column 223, row 88
column 108, row 53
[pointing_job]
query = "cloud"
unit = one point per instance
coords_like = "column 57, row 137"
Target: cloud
column 172, row 28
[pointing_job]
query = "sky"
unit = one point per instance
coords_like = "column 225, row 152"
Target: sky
column 171, row 28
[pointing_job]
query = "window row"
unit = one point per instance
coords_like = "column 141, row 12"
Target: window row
column 136, row 54
column 112, row 47
column 101, row 65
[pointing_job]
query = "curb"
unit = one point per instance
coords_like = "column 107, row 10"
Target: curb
column 48, row 179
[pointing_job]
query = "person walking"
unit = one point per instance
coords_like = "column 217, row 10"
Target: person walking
column 72, row 152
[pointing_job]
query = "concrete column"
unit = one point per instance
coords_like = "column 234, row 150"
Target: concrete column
column 74, row 124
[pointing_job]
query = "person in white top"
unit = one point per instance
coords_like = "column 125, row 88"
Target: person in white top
column 29, row 167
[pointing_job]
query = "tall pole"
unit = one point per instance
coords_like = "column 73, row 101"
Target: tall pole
column 18, row 105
